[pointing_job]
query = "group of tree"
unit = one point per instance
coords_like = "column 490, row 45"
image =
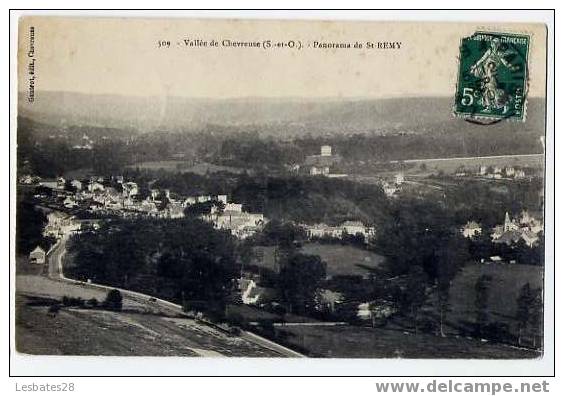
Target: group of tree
column 422, row 246
column 30, row 222
column 183, row 260
column 482, row 247
column 298, row 280
column 529, row 315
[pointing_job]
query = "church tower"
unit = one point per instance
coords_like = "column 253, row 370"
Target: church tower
column 507, row 223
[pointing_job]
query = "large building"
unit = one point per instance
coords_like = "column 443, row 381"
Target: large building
column 321, row 164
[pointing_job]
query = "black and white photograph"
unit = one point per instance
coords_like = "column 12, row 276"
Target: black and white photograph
column 318, row 189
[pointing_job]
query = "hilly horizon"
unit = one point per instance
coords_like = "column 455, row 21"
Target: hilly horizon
column 283, row 117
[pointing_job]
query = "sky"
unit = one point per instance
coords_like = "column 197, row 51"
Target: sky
column 122, row 57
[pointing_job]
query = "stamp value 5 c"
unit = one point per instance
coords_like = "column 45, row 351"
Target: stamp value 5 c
column 492, row 77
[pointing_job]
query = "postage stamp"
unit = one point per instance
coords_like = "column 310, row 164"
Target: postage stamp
column 492, row 77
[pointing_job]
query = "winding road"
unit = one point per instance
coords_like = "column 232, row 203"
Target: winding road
column 55, row 284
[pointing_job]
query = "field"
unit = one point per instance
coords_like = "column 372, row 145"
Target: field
column 75, row 331
column 450, row 165
column 366, row 342
column 200, row 168
column 340, row 259
column 507, row 280
column 344, row 259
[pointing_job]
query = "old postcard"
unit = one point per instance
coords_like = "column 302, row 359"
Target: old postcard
column 280, row 188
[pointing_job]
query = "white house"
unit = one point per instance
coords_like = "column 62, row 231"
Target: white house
column 399, row 178
column 76, row 184
column 95, row 186
column 233, row 207
column 471, row 229
column 37, row 256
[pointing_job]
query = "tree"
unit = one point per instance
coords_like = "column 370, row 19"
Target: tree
column 282, row 234
column 529, row 313
column 163, row 201
column 419, row 233
column 113, row 300
column 29, row 227
column 482, row 289
column 198, row 209
column 523, row 315
column 299, row 278
column 450, row 256
column 414, row 295
column 537, row 311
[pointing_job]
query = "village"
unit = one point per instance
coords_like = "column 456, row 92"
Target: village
column 69, row 201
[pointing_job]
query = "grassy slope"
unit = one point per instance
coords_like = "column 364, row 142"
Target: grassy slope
column 98, row 332
column 365, row 342
column 340, row 259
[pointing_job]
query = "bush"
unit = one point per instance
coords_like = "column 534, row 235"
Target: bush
column 93, row 302
column 66, row 301
column 234, row 330
column 54, row 308
column 72, row 301
column 113, row 300
column 235, row 319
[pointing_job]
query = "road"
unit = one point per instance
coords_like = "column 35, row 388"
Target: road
column 72, row 287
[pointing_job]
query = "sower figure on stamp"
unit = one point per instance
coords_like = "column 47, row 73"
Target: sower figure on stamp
column 486, row 68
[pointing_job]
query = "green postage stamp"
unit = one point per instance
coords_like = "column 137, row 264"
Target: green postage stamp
column 492, row 77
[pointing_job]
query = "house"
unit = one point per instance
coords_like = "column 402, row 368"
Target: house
column 49, row 183
column 240, row 224
column 519, row 174
column 399, row 178
column 59, row 223
column 69, row 202
column 375, row 310
column 355, row 227
column 525, row 218
column 77, row 184
column 29, row 179
column 37, row 256
column 61, row 182
column 526, row 227
column 154, row 194
column 325, row 151
column 175, row 211
column 95, row 186
column 321, row 164
column 189, row 201
column 509, row 237
column 471, row 229
column 322, row 230
column 130, row 189
column 252, row 294
column 530, row 221
column 233, row 207
column 203, row 198
column 316, row 171
column 530, row 238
